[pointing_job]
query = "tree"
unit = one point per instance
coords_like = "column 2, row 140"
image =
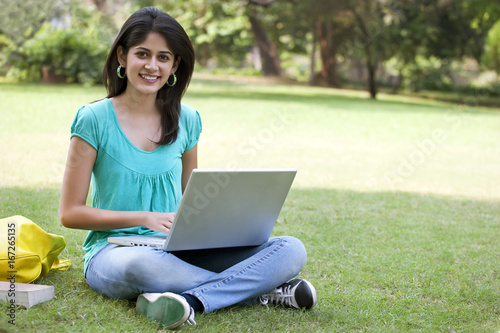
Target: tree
column 491, row 57
column 328, row 49
column 219, row 29
column 370, row 35
column 279, row 31
column 480, row 16
column 20, row 20
column 446, row 30
column 354, row 29
column 443, row 31
column 333, row 25
column 271, row 63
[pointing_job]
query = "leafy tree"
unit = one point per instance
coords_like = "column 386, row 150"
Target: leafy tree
column 73, row 44
column 20, row 20
column 332, row 24
column 479, row 16
column 434, row 33
column 218, row 29
column 354, row 29
column 491, row 57
column 445, row 30
column 280, row 29
column 373, row 38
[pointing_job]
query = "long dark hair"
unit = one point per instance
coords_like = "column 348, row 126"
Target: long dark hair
column 134, row 31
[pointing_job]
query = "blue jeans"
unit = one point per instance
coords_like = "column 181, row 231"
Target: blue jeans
column 218, row 277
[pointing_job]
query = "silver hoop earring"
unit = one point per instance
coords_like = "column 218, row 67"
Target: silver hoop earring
column 173, row 83
column 118, row 71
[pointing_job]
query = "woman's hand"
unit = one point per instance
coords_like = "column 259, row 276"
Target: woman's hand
column 161, row 222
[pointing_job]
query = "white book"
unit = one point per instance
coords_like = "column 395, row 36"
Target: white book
column 25, row 294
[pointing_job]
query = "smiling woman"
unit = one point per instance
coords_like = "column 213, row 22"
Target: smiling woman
column 138, row 147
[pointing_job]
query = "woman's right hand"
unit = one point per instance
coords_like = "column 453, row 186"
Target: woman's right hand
column 160, row 222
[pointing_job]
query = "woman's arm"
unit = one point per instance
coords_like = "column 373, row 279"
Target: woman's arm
column 189, row 162
column 73, row 211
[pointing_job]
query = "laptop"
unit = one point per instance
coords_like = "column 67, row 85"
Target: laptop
column 223, row 208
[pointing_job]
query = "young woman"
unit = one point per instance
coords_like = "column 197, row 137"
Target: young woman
column 138, row 147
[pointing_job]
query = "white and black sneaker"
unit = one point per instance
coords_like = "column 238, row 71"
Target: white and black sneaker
column 296, row 293
column 167, row 309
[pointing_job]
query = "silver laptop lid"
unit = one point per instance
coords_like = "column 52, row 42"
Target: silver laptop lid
column 229, row 208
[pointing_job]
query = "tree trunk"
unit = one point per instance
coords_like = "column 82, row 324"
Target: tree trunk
column 100, row 4
column 496, row 58
column 203, row 55
column 313, row 56
column 371, row 66
column 271, row 63
column 372, row 85
column 370, row 53
column 328, row 53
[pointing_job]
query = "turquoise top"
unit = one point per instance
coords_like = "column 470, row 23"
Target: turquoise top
column 126, row 178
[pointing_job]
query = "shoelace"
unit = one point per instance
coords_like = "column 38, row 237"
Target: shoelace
column 190, row 319
column 278, row 296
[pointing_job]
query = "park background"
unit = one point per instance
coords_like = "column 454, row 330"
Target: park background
column 389, row 110
column 394, row 46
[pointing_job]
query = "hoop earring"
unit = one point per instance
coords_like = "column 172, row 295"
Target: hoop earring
column 173, row 83
column 118, row 71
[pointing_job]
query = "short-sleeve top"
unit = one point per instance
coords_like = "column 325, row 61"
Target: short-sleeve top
column 126, row 178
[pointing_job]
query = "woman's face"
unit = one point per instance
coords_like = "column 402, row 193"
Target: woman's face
column 148, row 64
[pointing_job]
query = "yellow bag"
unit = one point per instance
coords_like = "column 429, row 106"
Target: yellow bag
column 27, row 252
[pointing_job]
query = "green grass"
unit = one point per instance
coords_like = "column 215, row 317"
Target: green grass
column 397, row 201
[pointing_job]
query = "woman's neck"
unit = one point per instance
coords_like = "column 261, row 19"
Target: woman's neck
column 137, row 103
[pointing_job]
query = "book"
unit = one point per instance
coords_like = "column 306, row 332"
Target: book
column 25, row 294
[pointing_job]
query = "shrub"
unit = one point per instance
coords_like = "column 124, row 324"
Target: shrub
column 427, row 74
column 75, row 55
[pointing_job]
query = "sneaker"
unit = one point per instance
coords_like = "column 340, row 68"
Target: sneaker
column 168, row 309
column 296, row 293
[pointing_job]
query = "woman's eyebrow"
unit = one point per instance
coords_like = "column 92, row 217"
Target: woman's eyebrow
column 148, row 50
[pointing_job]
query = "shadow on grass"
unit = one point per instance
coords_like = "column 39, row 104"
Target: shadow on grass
column 421, row 259
column 472, row 98
column 338, row 211
column 244, row 91
column 356, row 104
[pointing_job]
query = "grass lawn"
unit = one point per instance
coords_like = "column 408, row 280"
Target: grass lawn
column 397, row 201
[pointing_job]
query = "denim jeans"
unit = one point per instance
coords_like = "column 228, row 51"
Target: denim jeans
column 218, row 277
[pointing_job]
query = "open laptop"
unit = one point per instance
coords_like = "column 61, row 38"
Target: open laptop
column 221, row 208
